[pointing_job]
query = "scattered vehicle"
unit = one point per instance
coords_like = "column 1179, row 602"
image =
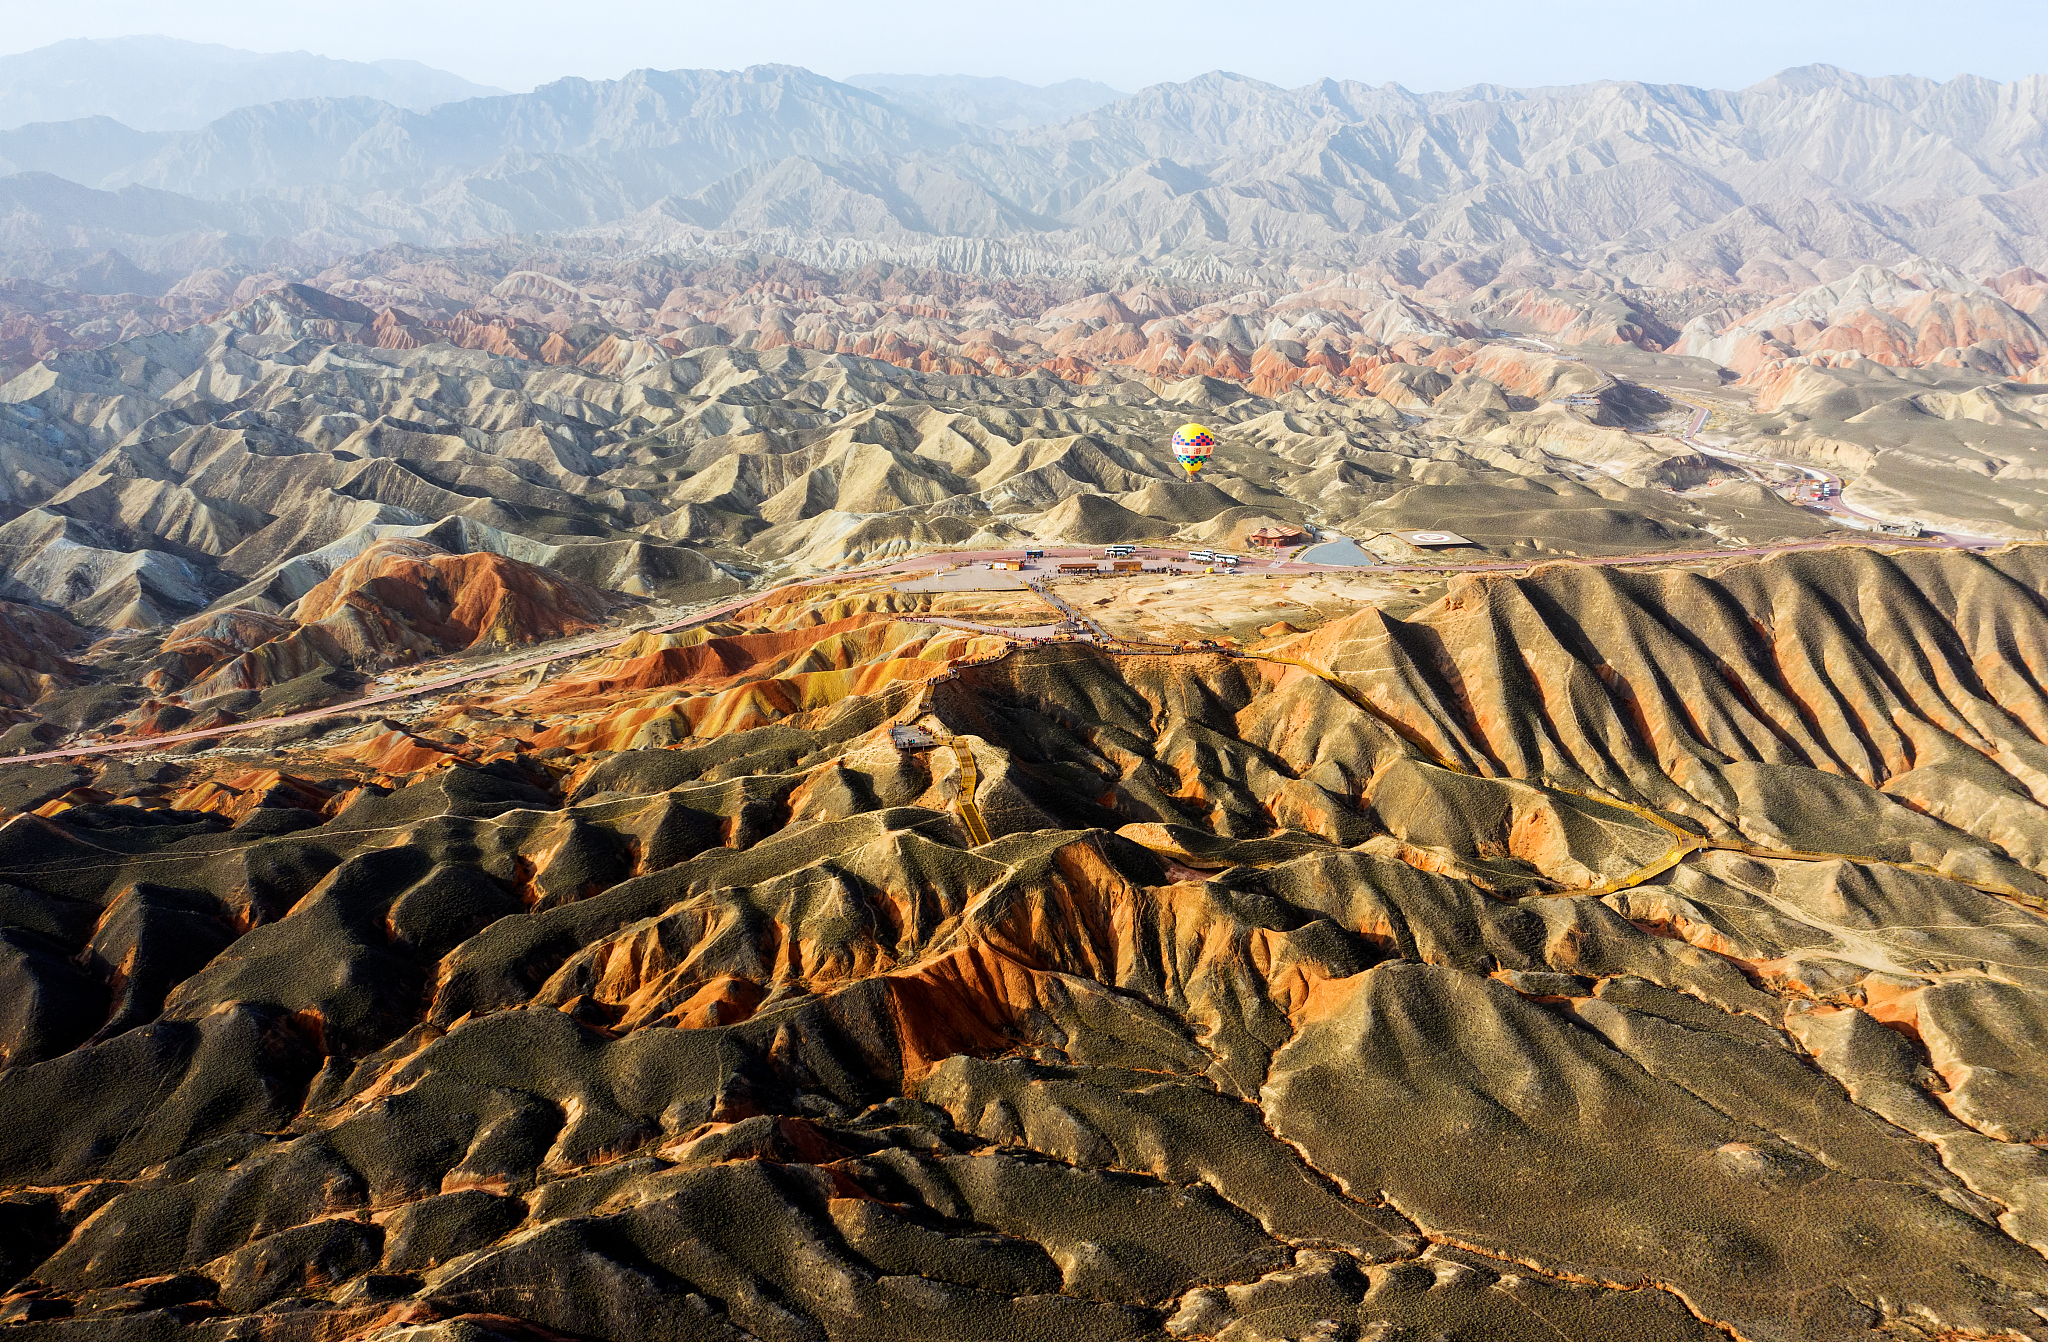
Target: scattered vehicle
column 1034, row 554
column 1228, row 561
column 1202, row 556
column 1119, row 551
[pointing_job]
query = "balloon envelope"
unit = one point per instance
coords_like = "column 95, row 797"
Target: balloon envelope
column 1192, row 440
column 1191, row 463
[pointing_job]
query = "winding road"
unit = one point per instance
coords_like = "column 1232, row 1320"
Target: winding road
column 921, row 563
column 1834, row 502
column 1836, row 499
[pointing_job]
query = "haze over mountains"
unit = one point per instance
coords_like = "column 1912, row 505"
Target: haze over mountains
column 1663, row 184
column 164, row 84
column 974, row 100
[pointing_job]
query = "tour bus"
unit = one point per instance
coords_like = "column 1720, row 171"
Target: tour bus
column 1034, row 554
column 1119, row 551
column 1202, row 556
column 1226, row 560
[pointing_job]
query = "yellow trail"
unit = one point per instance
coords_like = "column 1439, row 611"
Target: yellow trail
column 970, row 812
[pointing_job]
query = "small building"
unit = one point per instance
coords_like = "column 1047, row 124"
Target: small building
column 1277, row 538
column 1127, row 566
column 1080, row 568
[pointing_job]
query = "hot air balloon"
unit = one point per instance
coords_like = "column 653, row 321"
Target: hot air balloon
column 1192, row 445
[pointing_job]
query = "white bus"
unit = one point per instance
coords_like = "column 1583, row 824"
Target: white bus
column 1120, row 551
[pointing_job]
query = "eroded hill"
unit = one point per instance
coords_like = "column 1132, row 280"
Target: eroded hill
column 239, row 463
column 1653, row 955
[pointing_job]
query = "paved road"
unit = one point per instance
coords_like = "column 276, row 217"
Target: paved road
column 580, row 649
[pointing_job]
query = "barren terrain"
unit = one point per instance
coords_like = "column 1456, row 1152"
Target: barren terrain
column 1635, row 954
column 541, row 796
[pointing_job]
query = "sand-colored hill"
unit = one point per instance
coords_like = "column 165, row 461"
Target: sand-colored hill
column 815, row 420
column 1093, row 519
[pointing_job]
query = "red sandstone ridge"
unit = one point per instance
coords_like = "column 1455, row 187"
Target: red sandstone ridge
column 1913, row 315
column 1323, row 338
column 398, row 600
column 235, row 797
column 400, row 330
column 406, row 595
column 236, row 650
column 661, row 687
column 2026, row 290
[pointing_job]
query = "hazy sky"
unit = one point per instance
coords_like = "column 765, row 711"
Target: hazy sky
column 519, row 43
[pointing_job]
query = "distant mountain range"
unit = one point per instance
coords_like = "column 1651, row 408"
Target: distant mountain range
column 1773, row 185
column 1004, row 104
column 162, row 84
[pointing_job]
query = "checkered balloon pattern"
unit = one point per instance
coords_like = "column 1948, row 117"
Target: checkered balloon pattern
column 1193, row 439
